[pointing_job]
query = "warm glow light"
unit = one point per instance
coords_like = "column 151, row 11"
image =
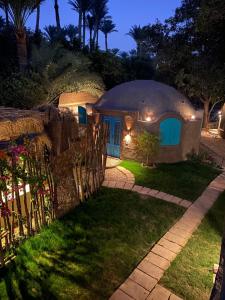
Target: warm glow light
column 193, row 117
column 127, row 139
column 148, row 119
column 220, row 113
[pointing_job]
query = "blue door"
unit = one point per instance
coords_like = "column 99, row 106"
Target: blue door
column 170, row 132
column 114, row 136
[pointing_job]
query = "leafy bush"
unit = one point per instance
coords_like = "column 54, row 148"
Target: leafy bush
column 22, row 91
column 147, row 147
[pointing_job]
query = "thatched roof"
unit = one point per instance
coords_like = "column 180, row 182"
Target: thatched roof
column 15, row 123
column 75, row 99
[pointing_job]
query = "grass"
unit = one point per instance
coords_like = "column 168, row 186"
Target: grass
column 185, row 179
column 90, row 252
column 190, row 275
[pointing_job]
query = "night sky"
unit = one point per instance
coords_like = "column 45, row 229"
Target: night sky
column 125, row 13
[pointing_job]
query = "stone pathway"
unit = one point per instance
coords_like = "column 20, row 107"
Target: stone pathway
column 143, row 282
column 121, row 178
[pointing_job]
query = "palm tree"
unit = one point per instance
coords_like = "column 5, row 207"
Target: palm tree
column 82, row 7
column 57, row 17
column 37, row 27
column 90, row 24
column 138, row 34
column 98, row 10
column 107, row 26
column 4, row 6
column 19, row 12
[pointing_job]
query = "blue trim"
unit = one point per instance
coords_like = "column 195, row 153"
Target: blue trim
column 114, row 138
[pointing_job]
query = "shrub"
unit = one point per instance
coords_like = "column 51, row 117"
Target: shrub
column 147, row 147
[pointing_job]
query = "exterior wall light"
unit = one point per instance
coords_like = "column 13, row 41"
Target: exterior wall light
column 193, row 117
column 127, row 139
column 220, row 119
column 148, row 119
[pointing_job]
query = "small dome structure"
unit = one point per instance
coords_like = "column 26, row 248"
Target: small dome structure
column 135, row 106
column 141, row 94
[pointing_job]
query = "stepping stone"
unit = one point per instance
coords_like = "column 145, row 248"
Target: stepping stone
column 158, row 261
column 150, row 269
column 134, row 290
column 170, row 245
column 143, row 279
column 175, row 238
column 185, row 203
column 161, row 251
column 181, row 233
column 174, row 297
column 137, row 188
column 120, row 295
column 159, row 293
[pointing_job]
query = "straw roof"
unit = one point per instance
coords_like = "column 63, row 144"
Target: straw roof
column 75, row 99
column 15, row 123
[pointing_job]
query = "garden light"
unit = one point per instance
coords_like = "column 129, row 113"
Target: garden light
column 128, row 139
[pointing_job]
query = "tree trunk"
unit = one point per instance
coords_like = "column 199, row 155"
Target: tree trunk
column 22, row 49
column 57, row 17
column 218, row 291
column 95, row 34
column 84, row 29
column 80, row 26
column 106, row 42
column 138, row 49
column 37, row 27
column 206, row 113
column 97, row 39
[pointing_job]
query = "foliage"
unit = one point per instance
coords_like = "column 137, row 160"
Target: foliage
column 186, row 180
column 147, row 147
column 18, row 90
column 76, row 251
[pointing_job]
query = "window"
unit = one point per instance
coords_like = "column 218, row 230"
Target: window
column 170, row 132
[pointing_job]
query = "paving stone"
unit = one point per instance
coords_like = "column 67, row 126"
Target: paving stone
column 174, row 297
column 161, row 251
column 185, row 203
column 144, row 191
column 150, row 269
column 120, row 184
column 175, row 200
column 105, row 183
column 175, row 238
column 137, row 188
column 143, row 279
column 120, row 295
column 112, row 184
column 161, row 195
column 170, row 245
column 158, row 261
column 128, row 186
column 159, row 293
column 182, row 233
column 134, row 290
column 153, row 192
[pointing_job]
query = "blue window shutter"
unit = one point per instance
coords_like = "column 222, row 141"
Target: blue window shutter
column 82, row 115
column 170, row 132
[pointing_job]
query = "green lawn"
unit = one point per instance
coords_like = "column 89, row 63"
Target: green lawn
column 190, row 275
column 90, row 252
column 185, row 179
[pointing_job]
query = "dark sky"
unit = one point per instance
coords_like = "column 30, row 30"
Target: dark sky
column 125, row 13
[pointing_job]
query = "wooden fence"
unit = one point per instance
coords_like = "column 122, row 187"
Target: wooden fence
column 35, row 187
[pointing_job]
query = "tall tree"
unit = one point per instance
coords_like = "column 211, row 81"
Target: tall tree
column 98, row 10
column 57, row 17
column 37, row 26
column 107, row 26
column 4, row 5
column 19, row 12
column 138, row 34
column 82, row 7
column 90, row 24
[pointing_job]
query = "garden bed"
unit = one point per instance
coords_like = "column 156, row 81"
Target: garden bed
column 190, row 275
column 90, row 252
column 186, row 180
